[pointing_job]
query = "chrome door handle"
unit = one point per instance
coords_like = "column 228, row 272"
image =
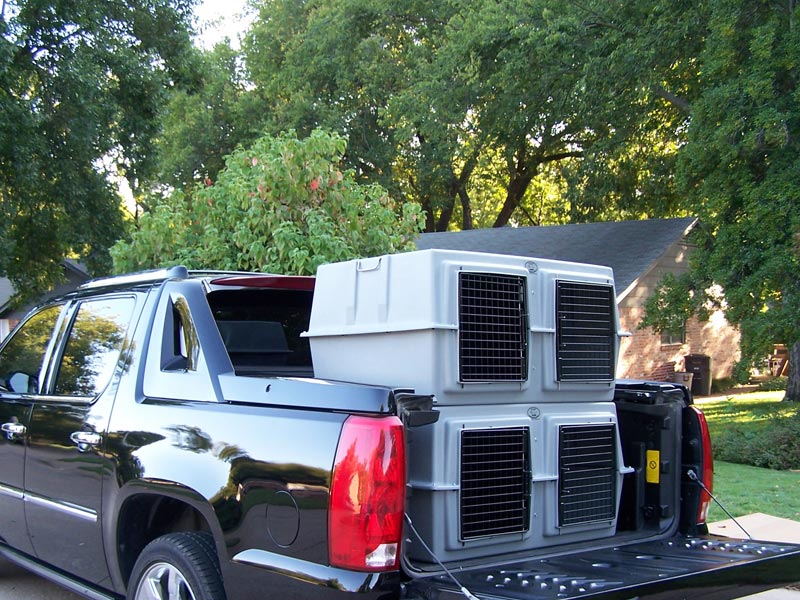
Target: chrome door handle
column 13, row 428
column 85, row 439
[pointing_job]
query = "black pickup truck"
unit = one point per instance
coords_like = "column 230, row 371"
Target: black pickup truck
column 424, row 426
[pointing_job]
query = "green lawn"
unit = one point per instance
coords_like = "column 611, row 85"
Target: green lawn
column 751, row 410
column 741, row 488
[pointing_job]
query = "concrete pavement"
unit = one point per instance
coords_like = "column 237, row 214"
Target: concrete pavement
column 760, row 527
column 18, row 584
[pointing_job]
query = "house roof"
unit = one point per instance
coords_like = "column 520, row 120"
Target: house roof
column 6, row 291
column 630, row 248
column 75, row 274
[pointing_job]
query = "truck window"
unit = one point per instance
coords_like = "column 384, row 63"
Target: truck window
column 184, row 353
column 93, row 347
column 261, row 329
column 22, row 358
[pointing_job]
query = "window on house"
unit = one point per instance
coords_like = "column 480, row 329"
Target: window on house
column 674, row 335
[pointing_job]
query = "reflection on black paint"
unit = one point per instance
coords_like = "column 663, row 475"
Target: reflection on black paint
column 252, row 482
column 123, row 446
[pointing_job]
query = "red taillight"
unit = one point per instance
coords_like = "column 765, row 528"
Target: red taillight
column 365, row 520
column 708, row 467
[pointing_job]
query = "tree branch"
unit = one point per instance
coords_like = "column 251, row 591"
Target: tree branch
column 561, row 156
column 676, row 101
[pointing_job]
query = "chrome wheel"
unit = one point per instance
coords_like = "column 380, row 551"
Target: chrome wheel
column 163, row 581
column 178, row 566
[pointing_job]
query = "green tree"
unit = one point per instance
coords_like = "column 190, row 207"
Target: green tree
column 442, row 101
column 743, row 161
column 282, row 205
column 202, row 124
column 475, row 110
column 81, row 82
column 738, row 164
column 348, row 66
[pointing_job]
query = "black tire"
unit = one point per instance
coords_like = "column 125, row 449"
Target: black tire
column 177, row 566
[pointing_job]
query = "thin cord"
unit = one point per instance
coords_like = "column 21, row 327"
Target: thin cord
column 464, row 590
column 693, row 476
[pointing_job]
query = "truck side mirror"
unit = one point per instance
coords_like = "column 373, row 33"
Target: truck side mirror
column 20, row 382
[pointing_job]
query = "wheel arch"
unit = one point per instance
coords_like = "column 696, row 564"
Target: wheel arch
column 147, row 510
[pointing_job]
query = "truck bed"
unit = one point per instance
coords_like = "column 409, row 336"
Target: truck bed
column 679, row 567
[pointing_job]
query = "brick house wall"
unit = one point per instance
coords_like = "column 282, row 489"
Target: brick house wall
column 643, row 355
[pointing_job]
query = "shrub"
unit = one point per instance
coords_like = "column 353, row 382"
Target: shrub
column 722, row 385
column 775, row 445
column 776, row 384
column 284, row 205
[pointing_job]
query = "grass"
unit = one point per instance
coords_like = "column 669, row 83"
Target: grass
column 759, row 429
column 743, row 490
column 756, row 429
column 752, row 408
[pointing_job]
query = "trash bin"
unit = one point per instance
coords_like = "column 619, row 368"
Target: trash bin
column 699, row 365
column 683, row 377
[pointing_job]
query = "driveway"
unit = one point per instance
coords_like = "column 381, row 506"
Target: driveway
column 18, row 584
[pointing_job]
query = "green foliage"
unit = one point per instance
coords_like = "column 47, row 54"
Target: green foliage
column 353, row 66
column 673, row 302
column 80, row 85
column 202, row 124
column 471, row 108
column 167, row 235
column 773, row 448
column 757, row 430
column 775, row 384
column 731, row 94
column 283, row 205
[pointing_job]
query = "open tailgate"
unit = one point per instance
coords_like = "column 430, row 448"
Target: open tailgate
column 708, row 567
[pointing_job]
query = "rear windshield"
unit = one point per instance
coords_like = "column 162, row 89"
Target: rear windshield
column 261, row 329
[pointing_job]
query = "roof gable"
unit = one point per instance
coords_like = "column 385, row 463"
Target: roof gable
column 630, row 248
column 6, row 291
column 74, row 275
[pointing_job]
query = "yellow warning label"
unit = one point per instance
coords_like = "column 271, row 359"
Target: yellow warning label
column 653, row 472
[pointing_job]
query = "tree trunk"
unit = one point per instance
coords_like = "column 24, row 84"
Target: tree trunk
column 466, row 210
column 793, row 385
column 443, row 221
column 430, row 221
column 516, row 189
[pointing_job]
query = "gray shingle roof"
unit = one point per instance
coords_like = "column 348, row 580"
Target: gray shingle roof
column 6, row 291
column 630, row 248
column 75, row 274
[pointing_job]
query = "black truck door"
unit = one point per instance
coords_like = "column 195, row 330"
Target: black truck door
column 21, row 369
column 65, row 462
